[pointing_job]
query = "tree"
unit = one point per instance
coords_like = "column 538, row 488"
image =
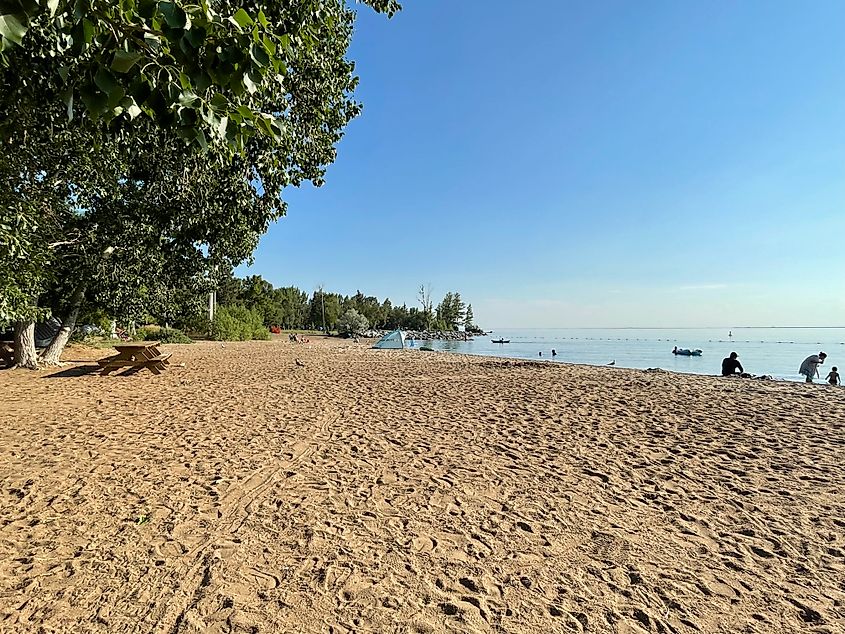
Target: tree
column 386, row 313
column 325, row 309
column 424, row 297
column 352, row 323
column 33, row 205
column 99, row 101
column 368, row 306
column 468, row 317
column 294, row 307
column 229, row 290
column 451, row 310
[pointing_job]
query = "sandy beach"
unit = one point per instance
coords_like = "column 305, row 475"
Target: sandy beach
column 400, row 491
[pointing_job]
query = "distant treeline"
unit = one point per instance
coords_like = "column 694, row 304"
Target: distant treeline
column 292, row 308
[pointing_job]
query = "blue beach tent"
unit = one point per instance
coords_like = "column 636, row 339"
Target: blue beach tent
column 391, row 341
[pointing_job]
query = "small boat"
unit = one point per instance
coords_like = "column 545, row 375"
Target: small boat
column 686, row 352
column 500, row 340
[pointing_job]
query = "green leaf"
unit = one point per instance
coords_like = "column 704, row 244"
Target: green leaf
column 140, row 90
column 219, row 102
column 95, row 102
column 87, row 31
column 173, row 15
column 202, row 81
column 124, row 60
column 152, row 40
column 242, row 18
column 221, row 128
column 106, row 82
column 187, row 99
column 265, row 123
column 259, row 55
column 67, row 97
column 187, row 133
column 269, row 45
column 52, row 5
column 262, row 19
column 249, row 84
column 195, row 37
column 11, row 27
column 147, row 9
column 133, row 110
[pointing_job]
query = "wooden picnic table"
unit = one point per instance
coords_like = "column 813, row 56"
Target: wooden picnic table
column 136, row 355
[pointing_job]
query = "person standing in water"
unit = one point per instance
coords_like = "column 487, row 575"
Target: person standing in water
column 810, row 366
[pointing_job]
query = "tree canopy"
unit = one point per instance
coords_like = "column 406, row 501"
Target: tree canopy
column 213, row 68
column 145, row 145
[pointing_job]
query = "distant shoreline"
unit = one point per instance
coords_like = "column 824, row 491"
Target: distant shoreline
column 670, row 328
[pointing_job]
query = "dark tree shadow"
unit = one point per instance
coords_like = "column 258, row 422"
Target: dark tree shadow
column 76, row 371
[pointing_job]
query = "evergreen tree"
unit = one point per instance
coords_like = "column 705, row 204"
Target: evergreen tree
column 468, row 317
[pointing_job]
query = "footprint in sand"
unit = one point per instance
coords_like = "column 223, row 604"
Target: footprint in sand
column 264, row 580
column 423, row 544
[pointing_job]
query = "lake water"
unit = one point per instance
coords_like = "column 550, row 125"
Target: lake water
column 774, row 351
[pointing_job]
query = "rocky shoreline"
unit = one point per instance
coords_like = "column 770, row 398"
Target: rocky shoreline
column 427, row 335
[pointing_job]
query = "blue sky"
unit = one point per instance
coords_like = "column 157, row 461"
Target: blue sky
column 588, row 164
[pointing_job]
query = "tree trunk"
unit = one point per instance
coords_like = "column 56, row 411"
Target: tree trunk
column 24, row 355
column 54, row 351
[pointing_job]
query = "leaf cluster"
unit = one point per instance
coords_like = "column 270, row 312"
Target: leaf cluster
column 214, row 69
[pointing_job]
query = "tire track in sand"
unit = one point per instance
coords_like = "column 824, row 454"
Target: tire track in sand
column 234, row 511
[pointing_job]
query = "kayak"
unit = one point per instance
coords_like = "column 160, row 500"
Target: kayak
column 686, row 352
column 500, row 340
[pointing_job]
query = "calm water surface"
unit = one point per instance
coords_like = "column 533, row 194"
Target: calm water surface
column 774, row 351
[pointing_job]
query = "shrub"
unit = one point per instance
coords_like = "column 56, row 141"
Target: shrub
column 236, row 323
column 352, row 323
column 98, row 318
column 147, row 333
column 165, row 335
column 196, row 326
column 172, row 335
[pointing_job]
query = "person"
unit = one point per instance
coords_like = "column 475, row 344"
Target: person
column 554, row 352
column 810, row 367
column 833, row 377
column 731, row 364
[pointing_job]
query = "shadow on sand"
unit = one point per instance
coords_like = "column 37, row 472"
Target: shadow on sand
column 79, row 370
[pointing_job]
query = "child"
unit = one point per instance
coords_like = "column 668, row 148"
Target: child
column 833, row 377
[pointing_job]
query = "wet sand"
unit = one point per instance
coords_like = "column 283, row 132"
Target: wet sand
column 400, row 491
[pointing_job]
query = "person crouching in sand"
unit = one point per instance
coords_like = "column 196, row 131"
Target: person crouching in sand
column 833, row 377
column 731, row 365
column 810, row 366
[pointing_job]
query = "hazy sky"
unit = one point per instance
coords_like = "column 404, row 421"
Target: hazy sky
column 588, row 164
